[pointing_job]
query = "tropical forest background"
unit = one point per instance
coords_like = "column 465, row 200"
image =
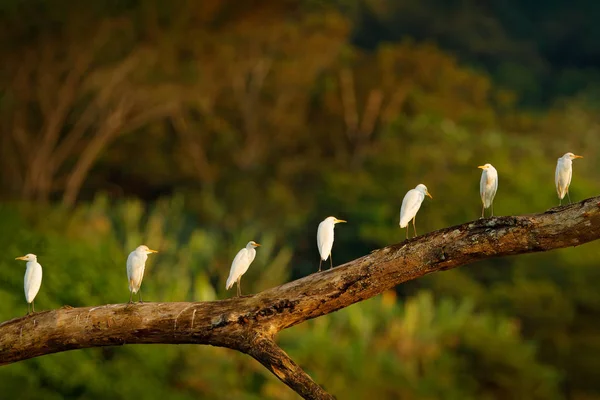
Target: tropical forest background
column 196, row 126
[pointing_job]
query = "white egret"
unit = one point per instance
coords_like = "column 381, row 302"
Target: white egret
column 136, row 264
column 33, row 279
column 563, row 174
column 325, row 239
column 240, row 265
column 411, row 204
column 488, row 187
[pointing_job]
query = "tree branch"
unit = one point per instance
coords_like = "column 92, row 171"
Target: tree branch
column 247, row 324
column 265, row 351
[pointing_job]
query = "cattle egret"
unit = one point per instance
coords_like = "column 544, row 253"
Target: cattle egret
column 488, row 187
column 240, row 265
column 562, row 177
column 33, row 279
column 136, row 263
column 410, row 206
column 325, row 239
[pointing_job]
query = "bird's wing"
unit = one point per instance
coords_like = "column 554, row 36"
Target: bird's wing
column 325, row 238
column 135, row 269
column 562, row 178
column 239, row 266
column 130, row 265
column 496, row 184
column 410, row 205
column 482, row 184
column 488, row 187
column 33, row 280
column 557, row 173
column 494, row 188
column 320, row 230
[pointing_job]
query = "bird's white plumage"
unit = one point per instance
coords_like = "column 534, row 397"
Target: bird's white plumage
column 488, row 186
column 325, row 237
column 411, row 204
column 241, row 263
column 136, row 265
column 33, row 277
column 563, row 174
column 33, row 280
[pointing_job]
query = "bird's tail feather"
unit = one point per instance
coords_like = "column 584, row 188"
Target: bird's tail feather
column 561, row 193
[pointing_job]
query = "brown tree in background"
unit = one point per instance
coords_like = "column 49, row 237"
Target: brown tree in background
column 66, row 106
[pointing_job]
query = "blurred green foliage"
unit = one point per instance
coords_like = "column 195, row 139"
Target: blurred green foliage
column 195, row 127
column 416, row 348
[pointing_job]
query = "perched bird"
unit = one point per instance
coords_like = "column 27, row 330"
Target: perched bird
column 33, row 279
column 240, row 265
column 325, row 239
column 488, row 187
column 562, row 177
column 136, row 263
column 410, row 206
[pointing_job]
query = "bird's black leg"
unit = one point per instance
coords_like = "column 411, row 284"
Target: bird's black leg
column 492, row 209
column 239, row 287
column 330, row 261
column 320, row 262
column 406, row 231
column 32, row 307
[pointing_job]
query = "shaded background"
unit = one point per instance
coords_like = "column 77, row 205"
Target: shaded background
column 196, row 126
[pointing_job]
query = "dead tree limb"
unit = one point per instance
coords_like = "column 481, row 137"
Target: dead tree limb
column 266, row 351
column 249, row 324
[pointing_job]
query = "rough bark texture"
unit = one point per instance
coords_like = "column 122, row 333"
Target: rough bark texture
column 250, row 323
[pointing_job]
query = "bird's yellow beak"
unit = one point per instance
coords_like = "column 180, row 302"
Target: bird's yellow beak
column 21, row 258
column 429, row 194
column 337, row 221
column 257, row 244
column 153, row 251
column 481, row 166
column 576, row 156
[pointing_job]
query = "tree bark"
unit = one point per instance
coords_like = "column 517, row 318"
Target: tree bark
column 265, row 351
column 249, row 324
